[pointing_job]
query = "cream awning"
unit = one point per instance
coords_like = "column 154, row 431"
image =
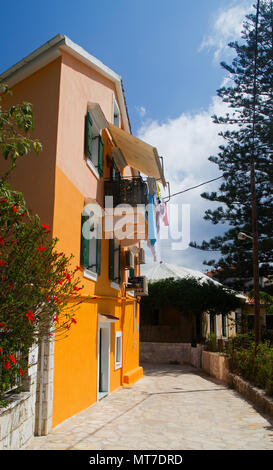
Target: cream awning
column 138, row 154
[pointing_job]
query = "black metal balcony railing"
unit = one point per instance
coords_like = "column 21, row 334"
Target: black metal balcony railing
column 127, row 191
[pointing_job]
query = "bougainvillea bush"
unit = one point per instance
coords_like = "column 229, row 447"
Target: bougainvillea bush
column 37, row 284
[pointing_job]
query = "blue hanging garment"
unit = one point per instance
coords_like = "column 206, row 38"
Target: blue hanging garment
column 151, row 220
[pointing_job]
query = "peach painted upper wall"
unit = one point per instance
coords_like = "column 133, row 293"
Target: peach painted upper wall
column 79, row 85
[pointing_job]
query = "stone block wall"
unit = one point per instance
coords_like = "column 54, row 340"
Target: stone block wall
column 17, row 420
column 170, row 353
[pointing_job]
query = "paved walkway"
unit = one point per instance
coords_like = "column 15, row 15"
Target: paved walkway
column 171, row 408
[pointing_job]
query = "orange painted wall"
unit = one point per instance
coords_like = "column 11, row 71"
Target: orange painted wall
column 35, row 176
column 75, row 361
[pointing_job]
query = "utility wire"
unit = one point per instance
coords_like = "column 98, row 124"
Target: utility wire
column 193, row 187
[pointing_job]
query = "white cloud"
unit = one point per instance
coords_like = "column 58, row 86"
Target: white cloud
column 186, row 143
column 227, row 27
column 141, row 111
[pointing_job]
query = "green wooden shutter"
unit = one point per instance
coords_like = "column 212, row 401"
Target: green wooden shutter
column 111, row 259
column 88, row 135
column 98, row 255
column 100, row 155
column 84, row 245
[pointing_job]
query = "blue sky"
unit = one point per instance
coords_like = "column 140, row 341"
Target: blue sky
column 153, row 44
column 168, row 55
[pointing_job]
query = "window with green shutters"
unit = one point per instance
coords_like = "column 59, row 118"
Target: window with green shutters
column 94, row 144
column 90, row 247
column 114, row 261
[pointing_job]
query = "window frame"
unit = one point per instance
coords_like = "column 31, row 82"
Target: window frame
column 116, row 110
column 224, row 325
column 118, row 339
column 114, row 263
column 88, row 272
column 94, row 159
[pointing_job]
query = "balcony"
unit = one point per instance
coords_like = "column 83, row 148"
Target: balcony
column 131, row 191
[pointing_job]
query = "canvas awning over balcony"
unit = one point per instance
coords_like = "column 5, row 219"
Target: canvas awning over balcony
column 128, row 149
column 138, row 154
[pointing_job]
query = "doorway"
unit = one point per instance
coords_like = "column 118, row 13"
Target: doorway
column 103, row 360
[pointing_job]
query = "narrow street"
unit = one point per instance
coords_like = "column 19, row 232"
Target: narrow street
column 171, row 408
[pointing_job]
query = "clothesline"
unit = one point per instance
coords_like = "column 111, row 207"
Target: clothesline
column 193, row 187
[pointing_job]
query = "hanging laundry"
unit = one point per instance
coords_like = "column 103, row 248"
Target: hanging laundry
column 151, row 182
column 151, row 220
column 158, row 191
column 165, row 216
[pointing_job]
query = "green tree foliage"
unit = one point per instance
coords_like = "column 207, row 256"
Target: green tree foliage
column 190, row 296
column 15, row 124
column 250, row 137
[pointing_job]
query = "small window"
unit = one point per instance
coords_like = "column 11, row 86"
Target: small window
column 116, row 113
column 118, row 350
column 114, row 261
column 224, row 326
column 90, row 245
column 94, row 145
column 212, row 324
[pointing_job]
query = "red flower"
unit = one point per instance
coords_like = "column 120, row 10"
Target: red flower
column 14, row 209
column 1, row 350
column 78, row 268
column 3, row 200
column 47, row 298
column 30, row 316
column 20, row 371
column 12, row 358
column 3, row 325
column 41, row 248
column 2, row 263
column 73, row 320
column 46, row 227
column 68, row 277
column 76, row 288
column 2, row 241
column 56, row 319
column 7, row 365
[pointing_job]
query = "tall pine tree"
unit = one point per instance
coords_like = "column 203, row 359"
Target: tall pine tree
column 248, row 139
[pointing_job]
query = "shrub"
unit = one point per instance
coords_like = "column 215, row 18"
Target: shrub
column 36, row 285
column 258, row 368
column 212, row 343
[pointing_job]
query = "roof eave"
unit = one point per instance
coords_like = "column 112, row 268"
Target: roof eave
column 50, row 51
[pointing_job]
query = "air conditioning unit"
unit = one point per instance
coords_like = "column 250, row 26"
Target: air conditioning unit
column 129, row 260
column 138, row 284
column 141, row 256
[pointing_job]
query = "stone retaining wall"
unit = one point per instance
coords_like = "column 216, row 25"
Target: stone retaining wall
column 170, row 353
column 257, row 396
column 216, row 365
column 17, row 421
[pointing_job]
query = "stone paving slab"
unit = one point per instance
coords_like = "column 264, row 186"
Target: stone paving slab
column 171, row 408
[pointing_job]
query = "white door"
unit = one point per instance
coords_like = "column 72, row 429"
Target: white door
column 103, row 360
